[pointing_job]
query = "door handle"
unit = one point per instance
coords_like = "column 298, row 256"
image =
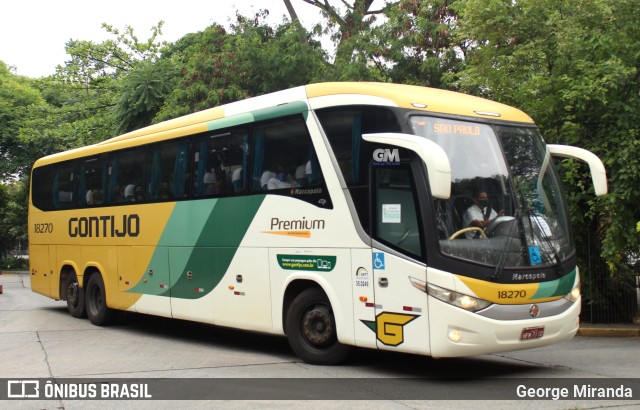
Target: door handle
column 383, row 282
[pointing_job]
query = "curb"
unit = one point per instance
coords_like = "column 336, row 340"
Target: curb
column 608, row 332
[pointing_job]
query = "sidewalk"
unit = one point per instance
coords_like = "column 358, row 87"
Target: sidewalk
column 609, row 330
column 11, row 279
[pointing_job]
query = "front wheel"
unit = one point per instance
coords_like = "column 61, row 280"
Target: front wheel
column 97, row 311
column 311, row 329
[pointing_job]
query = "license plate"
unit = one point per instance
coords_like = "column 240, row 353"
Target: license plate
column 529, row 333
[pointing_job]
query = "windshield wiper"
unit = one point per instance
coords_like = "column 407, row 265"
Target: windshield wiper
column 531, row 215
column 505, row 249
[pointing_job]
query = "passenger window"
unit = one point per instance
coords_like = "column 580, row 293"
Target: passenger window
column 63, row 188
column 220, row 160
column 42, row 187
column 168, row 165
column 284, row 162
column 126, row 177
column 92, row 181
column 396, row 212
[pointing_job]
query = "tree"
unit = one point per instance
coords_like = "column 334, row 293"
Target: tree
column 13, row 216
column 91, row 97
column 357, row 19
column 350, row 29
column 248, row 59
column 19, row 101
column 417, row 43
column 143, row 92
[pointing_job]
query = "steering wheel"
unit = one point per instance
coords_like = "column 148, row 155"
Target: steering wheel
column 470, row 229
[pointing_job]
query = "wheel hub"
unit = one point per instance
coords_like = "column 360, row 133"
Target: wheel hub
column 317, row 327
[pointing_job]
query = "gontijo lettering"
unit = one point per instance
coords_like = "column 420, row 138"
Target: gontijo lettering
column 104, row 226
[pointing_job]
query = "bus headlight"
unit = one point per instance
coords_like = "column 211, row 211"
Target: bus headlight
column 451, row 297
column 574, row 294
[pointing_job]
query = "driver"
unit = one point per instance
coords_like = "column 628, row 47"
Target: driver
column 479, row 214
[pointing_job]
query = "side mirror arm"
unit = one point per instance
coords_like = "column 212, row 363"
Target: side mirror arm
column 596, row 167
column 433, row 156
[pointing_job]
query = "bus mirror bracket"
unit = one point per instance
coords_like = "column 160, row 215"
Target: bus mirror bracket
column 596, row 167
column 433, row 156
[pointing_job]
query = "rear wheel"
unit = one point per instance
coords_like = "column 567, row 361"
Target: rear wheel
column 74, row 296
column 96, row 301
column 311, row 329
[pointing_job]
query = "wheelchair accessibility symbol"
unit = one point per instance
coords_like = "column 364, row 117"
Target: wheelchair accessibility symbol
column 534, row 255
column 378, row 260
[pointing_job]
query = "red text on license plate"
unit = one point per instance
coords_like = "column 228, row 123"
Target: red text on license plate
column 529, row 333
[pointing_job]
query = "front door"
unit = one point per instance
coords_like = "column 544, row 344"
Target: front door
column 402, row 321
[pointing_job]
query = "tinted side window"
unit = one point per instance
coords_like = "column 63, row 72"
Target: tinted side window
column 41, row 187
column 126, row 176
column 219, row 163
column 397, row 220
column 63, row 185
column 284, row 162
column 169, row 165
column 92, row 181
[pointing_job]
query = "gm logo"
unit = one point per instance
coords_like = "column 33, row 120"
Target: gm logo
column 386, row 156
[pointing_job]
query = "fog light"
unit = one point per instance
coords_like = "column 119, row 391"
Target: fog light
column 455, row 335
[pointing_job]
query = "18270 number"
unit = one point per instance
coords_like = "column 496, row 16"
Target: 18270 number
column 512, row 294
column 43, row 228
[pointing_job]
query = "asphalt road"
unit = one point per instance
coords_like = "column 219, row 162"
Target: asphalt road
column 40, row 340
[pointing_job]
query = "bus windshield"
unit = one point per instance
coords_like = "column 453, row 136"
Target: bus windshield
column 506, row 207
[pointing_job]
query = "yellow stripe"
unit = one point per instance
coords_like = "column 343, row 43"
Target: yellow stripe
column 439, row 101
column 505, row 294
column 297, row 234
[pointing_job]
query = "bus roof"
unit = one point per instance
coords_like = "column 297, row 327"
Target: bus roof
column 429, row 100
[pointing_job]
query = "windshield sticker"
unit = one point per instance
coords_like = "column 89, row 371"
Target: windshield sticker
column 542, row 225
column 307, row 262
column 391, row 213
column 534, row 255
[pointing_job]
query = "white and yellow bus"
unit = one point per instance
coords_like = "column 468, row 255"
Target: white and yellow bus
column 331, row 213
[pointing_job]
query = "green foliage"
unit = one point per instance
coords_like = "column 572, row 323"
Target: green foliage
column 13, row 216
column 417, row 41
column 19, row 101
column 249, row 59
column 143, row 92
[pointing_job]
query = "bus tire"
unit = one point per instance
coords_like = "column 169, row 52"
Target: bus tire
column 96, row 302
column 311, row 329
column 74, row 295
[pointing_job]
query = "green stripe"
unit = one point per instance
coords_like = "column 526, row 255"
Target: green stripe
column 230, row 121
column 295, row 107
column 558, row 287
column 200, row 238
